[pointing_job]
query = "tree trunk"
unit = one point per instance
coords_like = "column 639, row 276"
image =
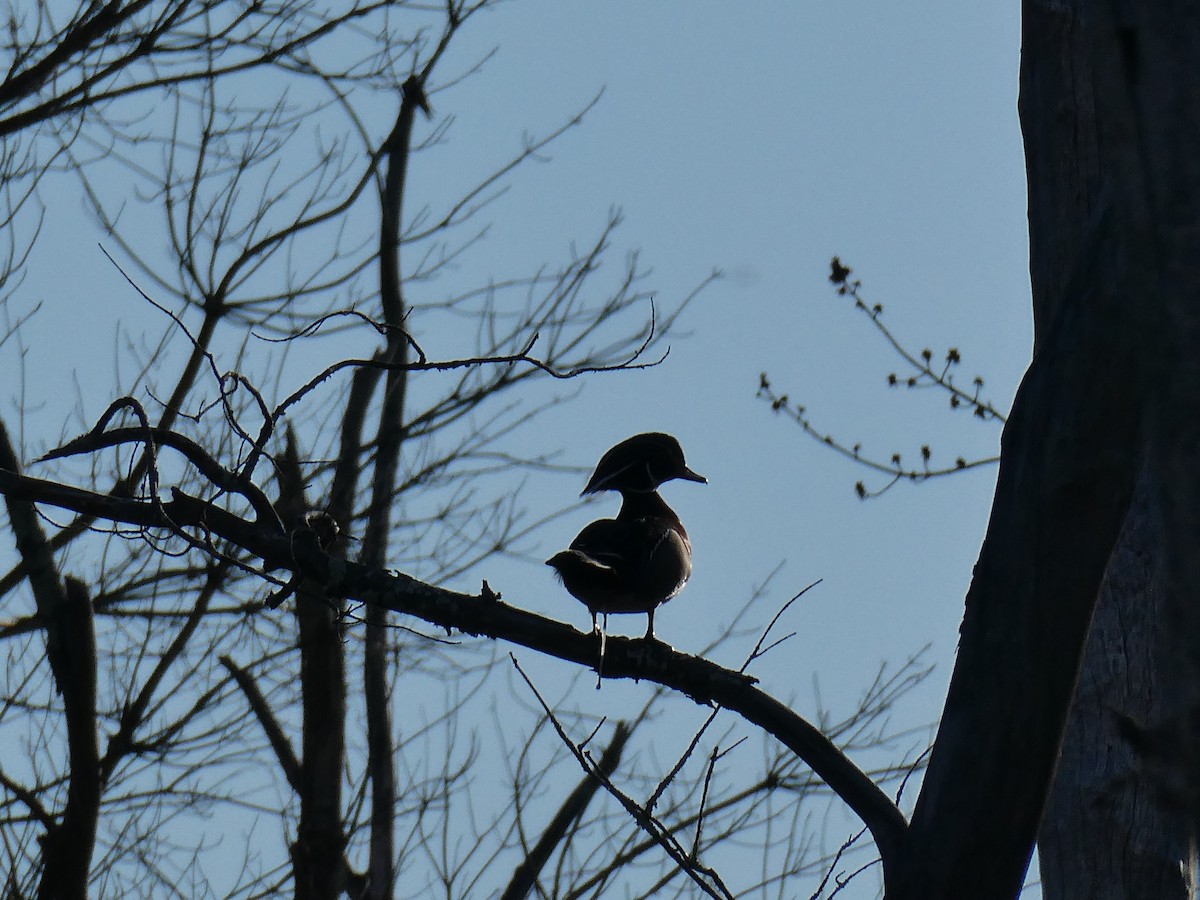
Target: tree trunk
column 1114, row 386
column 1104, row 835
column 1069, row 461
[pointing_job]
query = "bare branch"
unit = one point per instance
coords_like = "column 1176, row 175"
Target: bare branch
column 924, row 376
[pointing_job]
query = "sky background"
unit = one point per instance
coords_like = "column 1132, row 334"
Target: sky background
column 762, row 143
column 761, row 140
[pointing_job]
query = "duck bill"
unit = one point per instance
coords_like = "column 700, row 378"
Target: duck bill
column 689, row 475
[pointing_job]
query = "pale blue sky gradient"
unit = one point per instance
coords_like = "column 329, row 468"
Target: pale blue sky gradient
column 760, row 139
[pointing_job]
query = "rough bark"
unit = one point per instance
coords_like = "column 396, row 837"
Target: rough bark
column 1063, row 152
column 1160, row 45
column 1104, row 835
column 1068, row 461
column 1070, row 456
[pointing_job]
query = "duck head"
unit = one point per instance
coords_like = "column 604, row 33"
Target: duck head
column 640, row 464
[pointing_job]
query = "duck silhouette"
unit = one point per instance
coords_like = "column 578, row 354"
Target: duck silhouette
column 642, row 558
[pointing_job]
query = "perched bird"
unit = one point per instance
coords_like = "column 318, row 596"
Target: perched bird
column 642, row 558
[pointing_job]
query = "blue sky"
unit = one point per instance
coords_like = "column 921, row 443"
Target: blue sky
column 760, row 139
column 762, row 143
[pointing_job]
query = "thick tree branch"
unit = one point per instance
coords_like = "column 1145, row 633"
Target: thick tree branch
column 320, row 842
column 484, row 614
column 388, row 442
column 66, row 610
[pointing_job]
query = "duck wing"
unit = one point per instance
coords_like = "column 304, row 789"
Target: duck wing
column 625, row 565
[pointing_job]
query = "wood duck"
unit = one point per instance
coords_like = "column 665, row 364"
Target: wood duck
column 642, row 558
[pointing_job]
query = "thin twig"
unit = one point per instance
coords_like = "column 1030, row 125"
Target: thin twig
column 701, row 875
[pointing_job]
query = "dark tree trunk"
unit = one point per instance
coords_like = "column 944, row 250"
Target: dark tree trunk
column 1110, row 109
column 1068, row 465
column 1104, row 835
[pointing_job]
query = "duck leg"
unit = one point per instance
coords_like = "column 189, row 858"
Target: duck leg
column 603, row 644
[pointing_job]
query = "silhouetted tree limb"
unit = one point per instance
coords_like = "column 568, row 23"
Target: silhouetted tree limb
column 133, row 714
column 318, row 851
column 707, row 879
column 66, row 611
column 485, row 614
column 284, row 754
column 389, row 439
column 573, row 806
column 923, row 374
